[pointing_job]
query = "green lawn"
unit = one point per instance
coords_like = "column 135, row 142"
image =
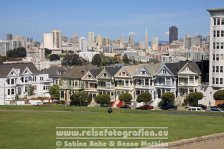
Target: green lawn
column 36, row 130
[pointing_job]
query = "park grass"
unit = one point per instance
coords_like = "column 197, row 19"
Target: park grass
column 35, row 130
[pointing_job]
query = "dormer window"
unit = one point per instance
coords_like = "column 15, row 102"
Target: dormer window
column 104, row 74
column 58, row 72
column 164, row 71
column 143, row 72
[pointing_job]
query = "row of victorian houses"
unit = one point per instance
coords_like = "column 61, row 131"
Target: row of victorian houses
column 179, row 78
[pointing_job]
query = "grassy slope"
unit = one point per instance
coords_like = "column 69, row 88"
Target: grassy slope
column 37, row 129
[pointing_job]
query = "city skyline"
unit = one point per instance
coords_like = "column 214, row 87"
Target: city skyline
column 109, row 18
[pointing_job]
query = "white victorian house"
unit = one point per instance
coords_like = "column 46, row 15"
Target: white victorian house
column 189, row 78
column 17, row 79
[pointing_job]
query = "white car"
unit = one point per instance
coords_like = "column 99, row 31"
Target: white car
column 195, row 109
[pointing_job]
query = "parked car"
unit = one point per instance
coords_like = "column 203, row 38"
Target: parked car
column 125, row 107
column 221, row 106
column 145, row 107
column 195, row 109
column 216, row 109
column 204, row 107
column 168, row 107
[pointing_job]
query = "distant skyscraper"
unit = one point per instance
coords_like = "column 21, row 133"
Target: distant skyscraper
column 131, row 40
column 75, row 38
column 187, row 42
column 146, row 39
column 90, row 40
column 56, row 39
column 99, row 41
column 106, row 41
column 9, row 36
column 48, row 40
column 122, row 42
column 173, row 34
column 216, row 56
column 83, row 44
column 155, row 43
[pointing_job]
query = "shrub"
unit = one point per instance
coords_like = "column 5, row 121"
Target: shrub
column 125, row 97
column 193, row 98
column 103, row 99
column 144, row 97
column 167, row 99
column 219, row 95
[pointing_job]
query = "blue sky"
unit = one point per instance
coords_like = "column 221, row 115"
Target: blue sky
column 110, row 18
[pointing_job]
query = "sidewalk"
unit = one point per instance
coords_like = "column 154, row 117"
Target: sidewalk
column 215, row 141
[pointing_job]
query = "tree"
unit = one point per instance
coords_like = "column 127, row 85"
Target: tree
column 30, row 90
column 193, row 98
column 219, row 95
column 54, row 91
column 103, row 99
column 167, row 99
column 144, row 97
column 47, row 52
column 125, row 97
column 72, row 59
column 54, row 57
column 97, row 60
column 125, row 59
column 80, row 99
column 16, row 53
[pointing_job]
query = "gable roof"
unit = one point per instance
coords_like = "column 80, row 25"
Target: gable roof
column 5, row 69
column 176, row 67
column 95, row 72
column 152, row 68
column 52, row 71
column 77, row 72
column 131, row 69
column 112, row 70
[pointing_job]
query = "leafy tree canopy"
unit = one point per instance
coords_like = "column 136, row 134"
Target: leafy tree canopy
column 103, row 99
column 54, row 91
column 219, row 95
column 193, row 98
column 16, row 53
column 126, row 97
column 144, row 97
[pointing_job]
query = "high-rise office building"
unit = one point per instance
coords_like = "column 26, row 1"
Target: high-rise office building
column 48, row 40
column 106, row 41
column 83, row 44
column 155, row 43
column 99, row 42
column 9, row 36
column 187, row 42
column 216, row 56
column 173, row 34
column 56, row 39
column 90, row 40
column 146, row 39
column 75, row 38
column 131, row 41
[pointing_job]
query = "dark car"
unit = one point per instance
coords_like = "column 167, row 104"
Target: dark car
column 125, row 107
column 145, row 107
column 204, row 107
column 221, row 106
column 168, row 107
